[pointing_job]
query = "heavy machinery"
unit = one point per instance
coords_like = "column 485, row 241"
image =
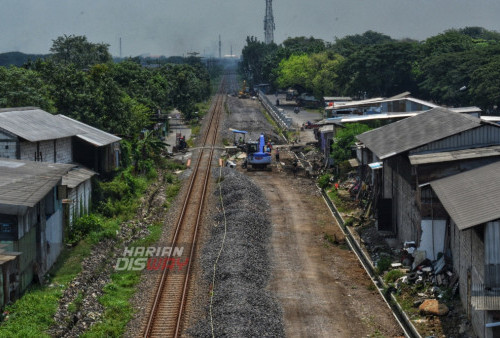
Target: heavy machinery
column 242, row 94
column 257, row 158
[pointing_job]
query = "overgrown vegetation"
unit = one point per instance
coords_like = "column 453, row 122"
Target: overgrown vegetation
column 32, row 314
column 374, row 64
column 383, row 264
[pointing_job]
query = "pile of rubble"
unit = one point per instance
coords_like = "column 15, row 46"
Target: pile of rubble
column 241, row 305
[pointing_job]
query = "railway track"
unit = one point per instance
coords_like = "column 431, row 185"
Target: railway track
column 172, row 293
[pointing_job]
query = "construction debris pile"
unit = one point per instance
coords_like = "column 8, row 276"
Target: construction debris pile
column 241, row 305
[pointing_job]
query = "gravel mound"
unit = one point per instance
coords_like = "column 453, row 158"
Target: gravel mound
column 242, row 307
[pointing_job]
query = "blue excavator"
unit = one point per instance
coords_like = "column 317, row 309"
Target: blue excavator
column 257, row 157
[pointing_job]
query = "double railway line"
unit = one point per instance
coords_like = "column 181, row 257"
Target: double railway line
column 172, row 293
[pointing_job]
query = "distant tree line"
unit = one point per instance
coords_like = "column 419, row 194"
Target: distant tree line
column 458, row 67
column 80, row 80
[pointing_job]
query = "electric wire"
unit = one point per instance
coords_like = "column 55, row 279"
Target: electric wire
column 218, row 255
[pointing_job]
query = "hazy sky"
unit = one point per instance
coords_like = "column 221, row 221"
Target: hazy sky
column 175, row 27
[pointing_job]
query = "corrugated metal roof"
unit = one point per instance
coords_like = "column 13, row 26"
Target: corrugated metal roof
column 25, row 183
column 350, row 104
column 90, row 134
column 472, row 197
column 337, row 98
column 404, row 135
column 491, row 118
column 457, row 155
column 329, row 128
column 34, row 124
column 467, row 110
column 76, row 176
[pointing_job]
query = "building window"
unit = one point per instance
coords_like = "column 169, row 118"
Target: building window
column 8, row 227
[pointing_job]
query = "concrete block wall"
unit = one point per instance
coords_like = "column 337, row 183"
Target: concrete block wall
column 8, row 149
column 64, row 152
column 27, row 151
column 45, row 150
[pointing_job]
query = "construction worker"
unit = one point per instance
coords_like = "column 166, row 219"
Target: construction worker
column 294, row 167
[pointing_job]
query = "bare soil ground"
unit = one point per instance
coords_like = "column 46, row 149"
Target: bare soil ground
column 320, row 284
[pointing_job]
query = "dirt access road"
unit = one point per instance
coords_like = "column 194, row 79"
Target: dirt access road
column 320, row 284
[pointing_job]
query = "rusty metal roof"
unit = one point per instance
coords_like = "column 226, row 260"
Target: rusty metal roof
column 432, row 125
column 90, row 134
column 25, row 183
column 34, row 124
column 472, row 197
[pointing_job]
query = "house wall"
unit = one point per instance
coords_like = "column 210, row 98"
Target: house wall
column 8, row 145
column 407, row 213
column 52, row 151
column 64, row 152
column 397, row 185
column 53, row 237
column 81, row 198
column 467, row 249
column 430, row 172
column 483, row 136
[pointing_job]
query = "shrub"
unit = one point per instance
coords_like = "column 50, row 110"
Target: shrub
column 324, row 181
column 383, row 264
column 393, row 275
column 349, row 222
column 83, row 226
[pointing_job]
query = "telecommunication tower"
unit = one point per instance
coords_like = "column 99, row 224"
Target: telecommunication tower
column 269, row 23
column 220, row 47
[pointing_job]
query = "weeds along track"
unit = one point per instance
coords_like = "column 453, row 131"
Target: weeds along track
column 166, row 314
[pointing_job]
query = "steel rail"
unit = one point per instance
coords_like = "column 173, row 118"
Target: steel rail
column 212, row 129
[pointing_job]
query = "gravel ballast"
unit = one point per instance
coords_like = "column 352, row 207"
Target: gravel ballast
column 241, row 305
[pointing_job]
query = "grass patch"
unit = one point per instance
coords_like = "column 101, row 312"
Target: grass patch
column 383, row 264
column 339, row 203
column 32, row 314
column 393, row 275
column 116, row 299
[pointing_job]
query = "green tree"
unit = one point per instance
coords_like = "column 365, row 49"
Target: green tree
column 303, row 45
column 485, row 85
column 379, row 70
column 316, row 73
column 21, row 87
column 73, row 49
column 352, row 43
column 345, row 139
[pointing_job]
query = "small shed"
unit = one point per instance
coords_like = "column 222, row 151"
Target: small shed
column 31, row 217
column 94, row 148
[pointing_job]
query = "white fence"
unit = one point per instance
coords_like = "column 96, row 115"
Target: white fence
column 279, row 115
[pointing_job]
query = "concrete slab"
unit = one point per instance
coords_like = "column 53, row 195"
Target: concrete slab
column 298, row 119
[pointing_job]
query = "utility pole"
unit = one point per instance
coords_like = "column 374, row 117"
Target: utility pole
column 220, row 47
column 269, row 23
column 120, row 48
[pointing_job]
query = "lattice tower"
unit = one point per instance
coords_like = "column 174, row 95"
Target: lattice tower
column 269, row 22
